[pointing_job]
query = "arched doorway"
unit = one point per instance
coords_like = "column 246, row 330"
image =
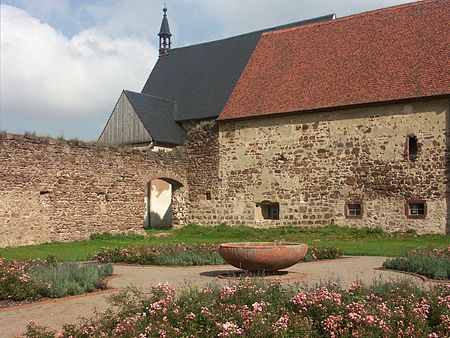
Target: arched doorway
column 164, row 202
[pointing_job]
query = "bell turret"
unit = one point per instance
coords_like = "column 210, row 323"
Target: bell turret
column 164, row 35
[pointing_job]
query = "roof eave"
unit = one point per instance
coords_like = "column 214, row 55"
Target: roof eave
column 323, row 109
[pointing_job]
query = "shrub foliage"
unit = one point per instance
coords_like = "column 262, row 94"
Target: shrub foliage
column 34, row 279
column 272, row 309
column 432, row 263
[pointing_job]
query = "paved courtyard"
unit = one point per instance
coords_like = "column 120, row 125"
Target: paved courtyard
column 56, row 313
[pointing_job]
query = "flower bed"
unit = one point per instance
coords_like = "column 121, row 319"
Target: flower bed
column 186, row 255
column 178, row 254
column 432, row 263
column 270, row 310
column 34, row 279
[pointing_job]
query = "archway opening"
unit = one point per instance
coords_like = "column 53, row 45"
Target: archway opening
column 163, row 202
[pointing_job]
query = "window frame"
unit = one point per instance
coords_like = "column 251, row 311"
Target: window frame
column 416, row 216
column 353, row 202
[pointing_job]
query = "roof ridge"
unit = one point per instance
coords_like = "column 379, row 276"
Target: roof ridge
column 152, row 96
column 263, row 30
column 356, row 15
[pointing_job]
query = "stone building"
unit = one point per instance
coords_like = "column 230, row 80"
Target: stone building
column 343, row 122
column 325, row 121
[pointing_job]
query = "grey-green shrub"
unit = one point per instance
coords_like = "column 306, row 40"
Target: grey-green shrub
column 65, row 279
column 431, row 266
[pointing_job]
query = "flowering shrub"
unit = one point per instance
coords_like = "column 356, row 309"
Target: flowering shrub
column 270, row 310
column 16, row 282
column 432, row 263
column 34, row 279
column 314, row 254
column 187, row 255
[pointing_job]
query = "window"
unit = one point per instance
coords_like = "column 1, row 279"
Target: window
column 208, row 196
column 416, row 209
column 412, row 147
column 267, row 210
column 353, row 210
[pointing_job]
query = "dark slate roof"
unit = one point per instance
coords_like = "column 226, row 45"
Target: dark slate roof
column 156, row 114
column 200, row 78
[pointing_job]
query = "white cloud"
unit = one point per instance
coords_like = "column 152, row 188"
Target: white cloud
column 238, row 16
column 45, row 74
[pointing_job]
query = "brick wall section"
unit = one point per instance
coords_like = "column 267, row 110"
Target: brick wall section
column 313, row 163
column 54, row 190
column 202, row 148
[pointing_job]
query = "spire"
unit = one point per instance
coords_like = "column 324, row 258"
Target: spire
column 164, row 35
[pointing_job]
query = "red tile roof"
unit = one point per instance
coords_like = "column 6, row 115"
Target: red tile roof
column 390, row 54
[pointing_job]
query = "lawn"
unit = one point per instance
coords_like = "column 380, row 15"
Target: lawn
column 352, row 241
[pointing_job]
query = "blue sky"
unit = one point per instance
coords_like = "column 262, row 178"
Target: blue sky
column 64, row 63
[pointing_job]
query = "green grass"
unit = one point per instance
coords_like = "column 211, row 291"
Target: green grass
column 352, row 241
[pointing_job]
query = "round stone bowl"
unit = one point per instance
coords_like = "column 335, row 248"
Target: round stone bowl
column 262, row 256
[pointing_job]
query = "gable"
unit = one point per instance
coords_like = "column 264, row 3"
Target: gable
column 124, row 126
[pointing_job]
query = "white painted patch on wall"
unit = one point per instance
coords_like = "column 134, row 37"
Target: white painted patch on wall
column 160, row 204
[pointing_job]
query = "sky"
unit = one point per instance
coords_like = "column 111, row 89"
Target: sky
column 64, row 63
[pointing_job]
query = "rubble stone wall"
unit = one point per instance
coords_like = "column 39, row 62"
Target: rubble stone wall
column 313, row 163
column 53, row 190
column 202, row 149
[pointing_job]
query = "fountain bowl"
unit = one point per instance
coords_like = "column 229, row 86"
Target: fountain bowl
column 262, row 256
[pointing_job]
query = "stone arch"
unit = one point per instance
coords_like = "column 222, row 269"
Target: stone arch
column 176, row 213
column 169, row 177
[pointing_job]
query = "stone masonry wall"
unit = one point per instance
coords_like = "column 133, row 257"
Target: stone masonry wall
column 54, row 190
column 312, row 164
column 202, row 148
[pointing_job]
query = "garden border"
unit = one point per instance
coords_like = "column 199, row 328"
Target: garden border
column 109, row 289
column 422, row 277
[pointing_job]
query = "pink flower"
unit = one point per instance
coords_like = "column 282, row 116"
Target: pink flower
column 190, row 316
column 228, row 291
column 281, row 324
column 258, row 307
column 229, row 329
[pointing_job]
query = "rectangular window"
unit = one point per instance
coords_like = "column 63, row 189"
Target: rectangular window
column 412, row 147
column 353, row 210
column 416, row 209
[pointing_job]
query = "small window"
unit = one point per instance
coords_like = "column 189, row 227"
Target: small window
column 412, row 147
column 208, row 196
column 353, row 210
column 416, row 209
column 268, row 210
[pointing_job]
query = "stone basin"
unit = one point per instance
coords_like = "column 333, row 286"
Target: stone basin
column 262, row 256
